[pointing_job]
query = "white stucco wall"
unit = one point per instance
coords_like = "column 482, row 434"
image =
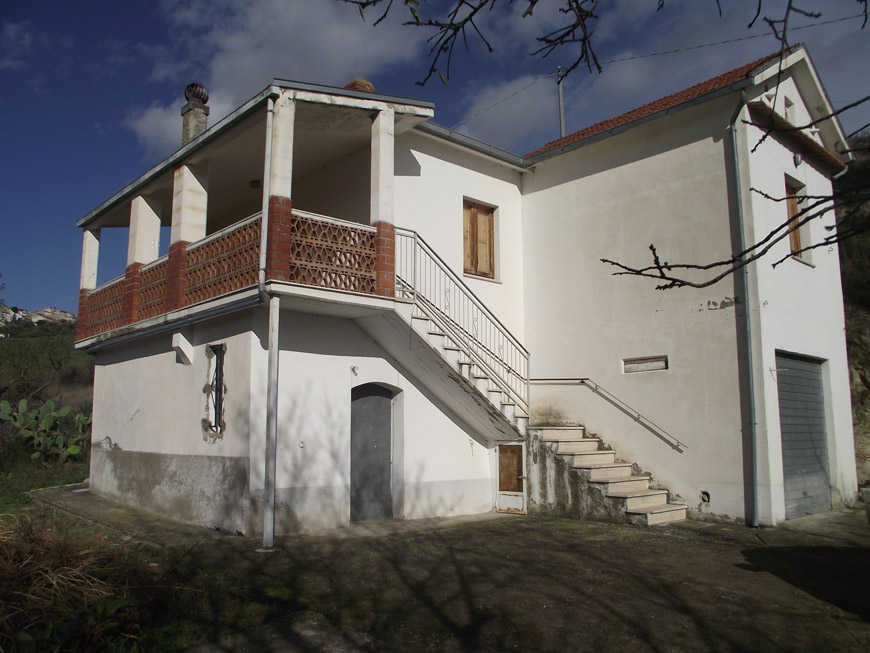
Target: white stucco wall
column 339, row 189
column 146, row 400
column 147, row 435
column 662, row 183
column 432, row 180
column 800, row 311
column 438, row 468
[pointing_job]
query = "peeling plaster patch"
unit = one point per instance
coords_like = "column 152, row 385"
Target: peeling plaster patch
column 714, row 305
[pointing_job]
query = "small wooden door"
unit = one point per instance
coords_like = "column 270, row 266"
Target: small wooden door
column 511, row 479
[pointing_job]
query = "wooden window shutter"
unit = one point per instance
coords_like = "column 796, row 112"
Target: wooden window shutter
column 485, row 242
column 469, row 237
column 478, row 239
column 794, row 236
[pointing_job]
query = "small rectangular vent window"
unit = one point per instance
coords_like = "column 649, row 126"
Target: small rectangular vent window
column 645, row 364
column 213, row 425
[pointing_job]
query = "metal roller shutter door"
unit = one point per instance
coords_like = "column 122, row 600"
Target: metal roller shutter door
column 804, row 442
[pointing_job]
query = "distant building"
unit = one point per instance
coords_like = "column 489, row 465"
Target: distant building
column 361, row 312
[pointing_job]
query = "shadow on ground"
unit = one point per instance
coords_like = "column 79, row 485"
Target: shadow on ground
column 529, row 584
column 835, row 575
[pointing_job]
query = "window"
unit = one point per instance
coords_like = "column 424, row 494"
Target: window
column 213, row 425
column 479, row 239
column 792, row 201
column 644, row 364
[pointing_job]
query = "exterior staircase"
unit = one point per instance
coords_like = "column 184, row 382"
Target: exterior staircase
column 615, row 490
column 460, row 359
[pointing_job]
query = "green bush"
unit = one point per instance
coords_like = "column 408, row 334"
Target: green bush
column 46, row 431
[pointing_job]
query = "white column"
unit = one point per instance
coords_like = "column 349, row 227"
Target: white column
column 382, row 167
column 90, row 256
column 281, row 170
column 144, row 240
column 189, row 206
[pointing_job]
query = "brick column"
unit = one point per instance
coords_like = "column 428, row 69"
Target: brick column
column 82, row 318
column 385, row 260
column 176, row 276
column 278, row 239
column 132, row 283
column 88, row 279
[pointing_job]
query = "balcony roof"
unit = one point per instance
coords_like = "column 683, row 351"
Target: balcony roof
column 330, row 122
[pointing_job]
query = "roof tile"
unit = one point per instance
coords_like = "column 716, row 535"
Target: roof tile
column 662, row 104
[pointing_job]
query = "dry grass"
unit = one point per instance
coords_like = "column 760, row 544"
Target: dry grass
column 48, row 575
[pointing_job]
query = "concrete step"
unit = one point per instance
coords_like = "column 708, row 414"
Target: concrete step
column 509, row 410
column 436, row 338
column 666, row 514
column 553, row 433
column 453, row 354
column 577, row 446
column 639, row 500
column 594, row 457
column 622, row 484
column 605, row 471
column 420, row 323
column 480, row 380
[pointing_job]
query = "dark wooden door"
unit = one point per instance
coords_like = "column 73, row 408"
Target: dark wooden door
column 371, row 420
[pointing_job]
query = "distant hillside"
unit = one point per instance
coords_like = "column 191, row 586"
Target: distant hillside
column 38, row 360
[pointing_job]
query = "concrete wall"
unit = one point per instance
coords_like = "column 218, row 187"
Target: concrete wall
column 339, row 189
column 148, row 444
column 149, row 450
column 799, row 310
column 432, row 180
column 663, row 183
column 438, row 469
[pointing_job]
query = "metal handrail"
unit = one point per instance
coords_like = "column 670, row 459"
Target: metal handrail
column 438, row 292
column 644, row 421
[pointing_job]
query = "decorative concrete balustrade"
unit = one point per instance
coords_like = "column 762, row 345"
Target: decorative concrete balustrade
column 301, row 248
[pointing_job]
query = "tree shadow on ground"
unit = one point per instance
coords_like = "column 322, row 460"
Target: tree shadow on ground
column 506, row 584
column 834, row 574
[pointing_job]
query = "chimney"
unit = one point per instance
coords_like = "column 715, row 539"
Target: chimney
column 193, row 114
column 360, row 84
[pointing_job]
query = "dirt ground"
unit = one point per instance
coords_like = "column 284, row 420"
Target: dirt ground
column 525, row 584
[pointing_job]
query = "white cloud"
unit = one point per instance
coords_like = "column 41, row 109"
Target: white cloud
column 16, row 41
column 237, row 49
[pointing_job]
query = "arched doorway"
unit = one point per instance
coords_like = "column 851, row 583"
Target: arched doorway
column 371, row 452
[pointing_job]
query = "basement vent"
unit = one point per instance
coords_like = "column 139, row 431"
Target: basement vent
column 645, row 364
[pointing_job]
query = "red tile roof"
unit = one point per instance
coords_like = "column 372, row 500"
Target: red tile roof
column 667, row 102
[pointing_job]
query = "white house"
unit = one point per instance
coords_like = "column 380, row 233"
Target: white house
column 360, row 312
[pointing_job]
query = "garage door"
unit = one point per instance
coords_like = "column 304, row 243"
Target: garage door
column 804, row 443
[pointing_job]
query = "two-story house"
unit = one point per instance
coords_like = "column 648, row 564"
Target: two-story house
column 361, row 314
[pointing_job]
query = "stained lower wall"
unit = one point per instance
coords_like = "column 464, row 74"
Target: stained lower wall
column 210, row 491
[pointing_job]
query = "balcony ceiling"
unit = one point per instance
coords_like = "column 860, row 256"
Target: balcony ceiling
column 233, row 160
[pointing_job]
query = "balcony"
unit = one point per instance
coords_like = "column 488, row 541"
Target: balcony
column 304, row 248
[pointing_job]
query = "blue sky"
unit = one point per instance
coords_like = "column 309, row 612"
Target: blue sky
column 92, row 91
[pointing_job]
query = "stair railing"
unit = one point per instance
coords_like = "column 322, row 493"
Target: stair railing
column 641, row 419
column 438, row 293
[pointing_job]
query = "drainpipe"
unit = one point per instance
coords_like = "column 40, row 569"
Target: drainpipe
column 747, row 324
column 272, row 366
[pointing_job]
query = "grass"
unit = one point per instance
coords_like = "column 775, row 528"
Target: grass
column 24, row 474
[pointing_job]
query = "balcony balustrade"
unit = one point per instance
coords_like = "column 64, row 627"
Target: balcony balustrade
column 316, row 251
